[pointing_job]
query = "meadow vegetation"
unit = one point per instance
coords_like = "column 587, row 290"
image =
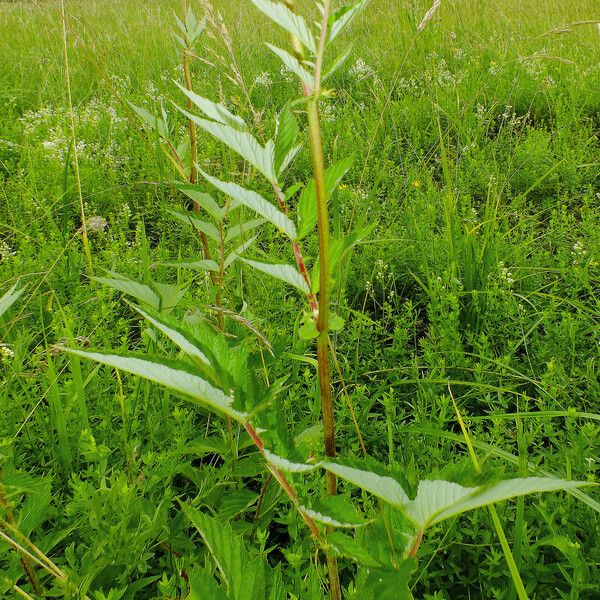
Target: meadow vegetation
column 453, row 318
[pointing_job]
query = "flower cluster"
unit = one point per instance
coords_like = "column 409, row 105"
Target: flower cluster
column 5, row 353
column 6, row 251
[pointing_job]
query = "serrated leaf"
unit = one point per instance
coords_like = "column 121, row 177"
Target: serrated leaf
column 10, row 297
column 203, row 586
column 140, row 291
column 336, row 511
column 287, row 133
column 288, row 466
column 189, row 219
column 437, row 501
column 291, row 22
column 307, row 206
column 239, row 229
column 283, row 272
column 349, row 547
column 170, row 374
column 154, row 123
column 255, row 202
column 337, row 64
column 236, row 502
column 214, row 111
column 240, row 141
column 239, row 250
column 293, row 64
column 246, row 577
column 308, row 330
column 204, row 200
column 177, row 335
column 203, row 264
column 383, row 487
column 342, row 17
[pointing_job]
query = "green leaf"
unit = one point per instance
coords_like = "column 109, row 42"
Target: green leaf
column 437, row 501
column 170, row 374
column 203, row 264
column 246, row 577
column 239, row 250
column 255, row 202
column 287, row 133
column 236, row 502
column 383, row 487
column 344, row 545
column 240, row 141
column 206, row 201
column 307, row 206
column 239, row 229
column 288, row 466
column 215, row 112
column 203, row 586
column 177, row 335
column 293, row 64
column 154, row 123
column 336, row 511
column 337, row 63
column 10, row 297
column 143, row 293
column 308, row 330
column 291, row 22
column 283, row 272
column 188, row 218
column 342, row 17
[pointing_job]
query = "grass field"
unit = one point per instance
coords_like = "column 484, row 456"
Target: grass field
column 467, row 235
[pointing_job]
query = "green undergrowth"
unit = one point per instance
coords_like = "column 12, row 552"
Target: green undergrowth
column 476, row 175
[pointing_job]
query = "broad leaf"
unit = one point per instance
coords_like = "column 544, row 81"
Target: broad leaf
column 140, row 291
column 170, row 374
column 307, row 206
column 283, row 272
column 344, row 545
column 440, row 500
column 291, row 22
column 293, row 64
column 188, row 218
column 246, row 577
column 214, row 111
column 336, row 511
column 154, row 123
column 287, row 132
column 10, row 298
column 202, row 199
column 177, row 335
column 342, row 17
column 382, row 486
column 283, row 464
column 255, row 202
column 240, row 141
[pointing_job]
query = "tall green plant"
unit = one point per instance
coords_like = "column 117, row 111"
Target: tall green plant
column 220, row 376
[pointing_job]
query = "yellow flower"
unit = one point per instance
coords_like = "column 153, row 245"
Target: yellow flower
column 342, row 186
column 417, row 183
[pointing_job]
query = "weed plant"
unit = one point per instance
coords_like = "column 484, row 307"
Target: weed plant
column 462, row 345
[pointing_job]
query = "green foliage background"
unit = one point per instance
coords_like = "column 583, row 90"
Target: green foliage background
column 482, row 270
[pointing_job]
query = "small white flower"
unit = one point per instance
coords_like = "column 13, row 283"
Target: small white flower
column 5, row 352
column 263, row 79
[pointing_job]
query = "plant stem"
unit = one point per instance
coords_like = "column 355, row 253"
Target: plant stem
column 84, row 233
column 283, row 482
column 24, row 560
column 508, row 555
column 318, row 163
column 193, row 176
